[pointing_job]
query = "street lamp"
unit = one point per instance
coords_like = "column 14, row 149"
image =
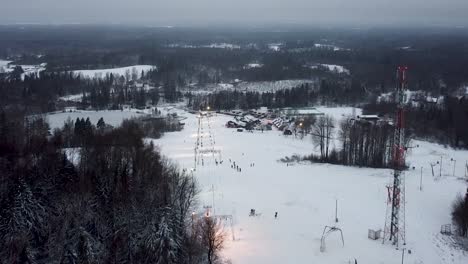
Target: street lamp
column 208, row 108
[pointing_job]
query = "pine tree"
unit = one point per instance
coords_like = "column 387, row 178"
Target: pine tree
column 161, row 242
column 101, row 124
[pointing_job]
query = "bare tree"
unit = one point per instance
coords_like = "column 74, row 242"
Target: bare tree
column 322, row 134
column 212, row 236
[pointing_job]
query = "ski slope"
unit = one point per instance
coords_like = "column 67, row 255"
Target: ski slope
column 304, row 196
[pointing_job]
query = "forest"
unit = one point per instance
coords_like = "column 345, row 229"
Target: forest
column 117, row 201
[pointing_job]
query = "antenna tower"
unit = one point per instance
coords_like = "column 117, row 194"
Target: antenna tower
column 395, row 221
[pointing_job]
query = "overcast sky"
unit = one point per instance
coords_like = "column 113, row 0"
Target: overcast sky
column 237, row 12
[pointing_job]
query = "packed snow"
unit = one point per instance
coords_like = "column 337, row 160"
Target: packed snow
column 102, row 73
column 304, row 196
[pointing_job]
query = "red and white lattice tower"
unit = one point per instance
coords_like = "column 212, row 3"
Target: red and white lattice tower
column 395, row 220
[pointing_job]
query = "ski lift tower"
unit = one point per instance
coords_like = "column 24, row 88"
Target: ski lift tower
column 395, row 221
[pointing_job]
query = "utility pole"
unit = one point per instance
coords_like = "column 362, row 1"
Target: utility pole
column 212, row 186
column 420, row 180
column 403, row 255
column 466, row 169
column 454, row 162
column 440, row 173
column 336, row 211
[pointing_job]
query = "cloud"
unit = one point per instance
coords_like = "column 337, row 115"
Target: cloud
column 182, row 12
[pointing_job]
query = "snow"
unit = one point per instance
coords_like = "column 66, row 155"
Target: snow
column 328, row 46
column 266, row 86
column 111, row 117
column 4, row 65
column 304, row 196
column 253, row 65
column 73, row 155
column 405, row 48
column 275, row 46
column 229, row 46
column 223, row 46
column 72, row 97
column 101, row 73
column 334, row 68
column 272, row 85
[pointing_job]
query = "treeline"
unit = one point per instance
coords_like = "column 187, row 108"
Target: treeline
column 117, row 201
column 225, row 100
column 330, row 92
column 354, row 143
column 366, row 143
column 438, row 59
column 445, row 123
column 38, row 92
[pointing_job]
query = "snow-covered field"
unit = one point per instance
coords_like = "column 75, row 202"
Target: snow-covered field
column 111, row 117
column 122, row 71
column 304, row 197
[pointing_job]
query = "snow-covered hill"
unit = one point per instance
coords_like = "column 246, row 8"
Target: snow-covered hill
column 304, row 196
